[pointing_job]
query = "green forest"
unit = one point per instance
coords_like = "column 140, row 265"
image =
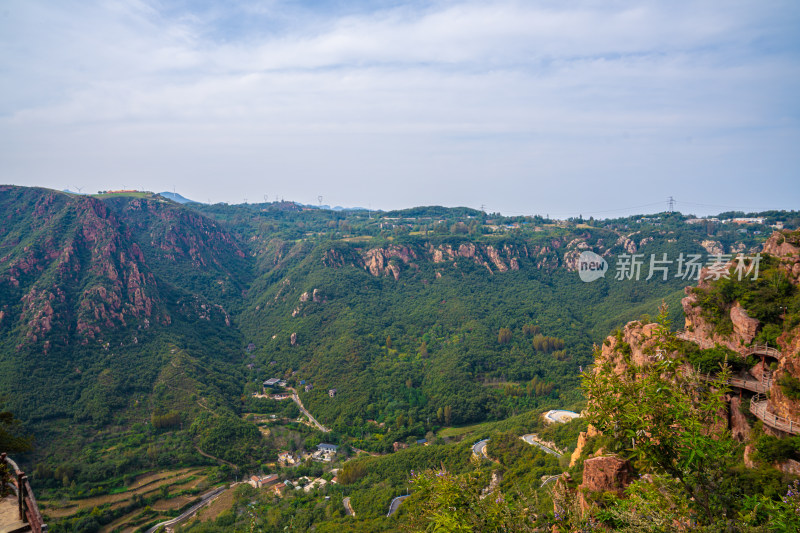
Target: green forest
column 134, row 332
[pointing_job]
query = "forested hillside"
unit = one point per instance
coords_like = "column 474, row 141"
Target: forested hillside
column 133, row 329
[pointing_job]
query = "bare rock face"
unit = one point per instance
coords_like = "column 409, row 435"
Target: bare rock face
column 740, row 429
column 494, row 256
column 638, row 337
column 778, row 402
column 392, row 260
column 744, row 326
column 293, row 339
column 583, row 438
column 713, row 247
column 783, row 244
column 748, row 456
column 604, row 474
column 789, row 466
column 628, row 244
column 702, row 332
column 377, row 260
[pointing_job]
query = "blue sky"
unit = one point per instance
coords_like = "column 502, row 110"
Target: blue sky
column 524, row 107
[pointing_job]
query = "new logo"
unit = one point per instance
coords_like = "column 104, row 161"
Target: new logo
column 591, row 266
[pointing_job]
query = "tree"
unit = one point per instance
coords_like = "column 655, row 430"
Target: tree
column 10, row 438
column 504, row 336
column 668, row 421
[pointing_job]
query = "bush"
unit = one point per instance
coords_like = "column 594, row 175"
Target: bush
column 790, row 386
column 772, row 449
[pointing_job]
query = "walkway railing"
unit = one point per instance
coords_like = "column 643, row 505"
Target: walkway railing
column 758, row 406
column 28, row 509
column 763, row 349
column 756, row 349
column 749, row 384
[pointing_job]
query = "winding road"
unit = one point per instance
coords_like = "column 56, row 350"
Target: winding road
column 396, row 504
column 299, row 403
column 204, row 500
column 479, row 448
column 347, row 507
column 530, row 439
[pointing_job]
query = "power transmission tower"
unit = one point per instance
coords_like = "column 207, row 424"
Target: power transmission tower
column 671, row 204
column 319, row 199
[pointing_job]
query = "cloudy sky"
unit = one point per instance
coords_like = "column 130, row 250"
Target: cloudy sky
column 602, row 107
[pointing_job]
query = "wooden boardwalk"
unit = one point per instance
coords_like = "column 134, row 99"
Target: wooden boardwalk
column 759, row 407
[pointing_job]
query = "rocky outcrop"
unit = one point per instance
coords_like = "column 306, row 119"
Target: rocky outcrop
column 635, row 339
column 583, row 439
column 744, row 327
column 393, row 260
column 778, row 402
column 97, row 278
column 713, row 247
column 604, row 474
column 784, row 245
column 701, row 331
column 790, row 466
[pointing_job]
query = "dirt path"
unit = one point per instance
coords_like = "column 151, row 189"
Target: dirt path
column 204, row 454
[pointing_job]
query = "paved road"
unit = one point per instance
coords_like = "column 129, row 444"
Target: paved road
column 347, row 507
column 529, row 439
column 205, row 500
column 551, row 478
column 479, row 448
column 299, row 403
column 558, row 415
column 395, row 504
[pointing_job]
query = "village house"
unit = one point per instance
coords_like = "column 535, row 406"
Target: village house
column 271, row 382
column 317, row 483
column 325, row 452
column 287, row 458
column 263, row 481
column 281, row 396
column 279, row 489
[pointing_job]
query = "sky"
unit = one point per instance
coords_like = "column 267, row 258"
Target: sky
column 589, row 107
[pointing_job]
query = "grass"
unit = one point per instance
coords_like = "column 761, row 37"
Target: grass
column 462, row 430
column 360, row 238
column 136, row 194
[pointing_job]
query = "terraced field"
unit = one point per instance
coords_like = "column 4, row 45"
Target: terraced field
column 147, row 486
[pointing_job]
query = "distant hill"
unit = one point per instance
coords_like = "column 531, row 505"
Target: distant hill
column 124, row 313
column 175, row 197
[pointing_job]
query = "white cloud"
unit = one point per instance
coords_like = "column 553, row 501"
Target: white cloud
column 489, row 92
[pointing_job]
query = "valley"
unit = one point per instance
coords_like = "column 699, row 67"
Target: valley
column 137, row 335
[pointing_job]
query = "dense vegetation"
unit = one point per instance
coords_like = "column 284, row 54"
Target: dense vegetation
column 134, row 331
